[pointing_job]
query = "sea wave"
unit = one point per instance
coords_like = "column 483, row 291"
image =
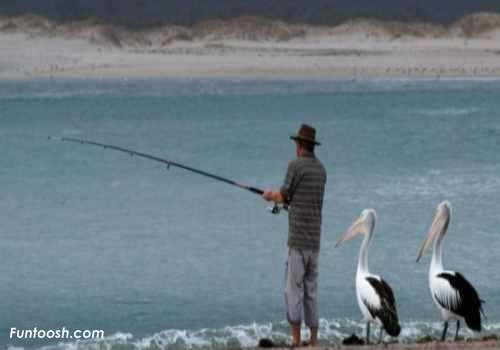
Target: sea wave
column 450, row 111
column 434, row 184
column 331, row 332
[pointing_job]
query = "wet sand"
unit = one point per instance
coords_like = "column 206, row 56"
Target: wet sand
column 463, row 345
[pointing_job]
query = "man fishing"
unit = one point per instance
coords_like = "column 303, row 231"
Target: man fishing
column 303, row 191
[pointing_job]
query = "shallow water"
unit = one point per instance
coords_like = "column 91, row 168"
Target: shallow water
column 96, row 239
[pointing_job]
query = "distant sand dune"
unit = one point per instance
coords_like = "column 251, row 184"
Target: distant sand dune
column 388, row 29
column 253, row 47
column 248, row 28
column 478, row 25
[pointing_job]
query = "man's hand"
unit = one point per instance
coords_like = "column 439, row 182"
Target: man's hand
column 273, row 196
column 268, row 195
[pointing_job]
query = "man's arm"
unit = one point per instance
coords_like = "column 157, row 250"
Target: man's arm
column 284, row 194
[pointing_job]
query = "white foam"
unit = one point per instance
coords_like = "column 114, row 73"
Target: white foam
column 105, row 343
column 10, row 347
column 246, row 336
column 492, row 327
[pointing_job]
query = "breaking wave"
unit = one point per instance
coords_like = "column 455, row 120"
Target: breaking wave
column 331, row 332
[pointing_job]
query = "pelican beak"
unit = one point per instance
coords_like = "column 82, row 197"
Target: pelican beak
column 358, row 227
column 438, row 226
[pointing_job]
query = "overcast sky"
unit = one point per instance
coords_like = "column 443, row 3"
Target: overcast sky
column 151, row 12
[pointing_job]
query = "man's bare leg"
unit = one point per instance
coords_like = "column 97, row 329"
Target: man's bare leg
column 313, row 338
column 295, row 335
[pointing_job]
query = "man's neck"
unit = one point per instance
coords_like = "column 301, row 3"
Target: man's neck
column 306, row 154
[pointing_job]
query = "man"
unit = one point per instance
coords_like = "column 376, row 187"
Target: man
column 303, row 192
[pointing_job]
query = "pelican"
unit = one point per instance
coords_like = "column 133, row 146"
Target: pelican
column 375, row 297
column 453, row 295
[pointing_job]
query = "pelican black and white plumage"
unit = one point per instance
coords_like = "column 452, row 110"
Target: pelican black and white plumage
column 454, row 296
column 375, row 297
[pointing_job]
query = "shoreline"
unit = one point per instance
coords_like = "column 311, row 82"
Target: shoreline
column 274, row 76
column 266, row 78
column 435, row 345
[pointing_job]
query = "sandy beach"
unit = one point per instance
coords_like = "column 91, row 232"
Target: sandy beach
column 464, row 345
column 251, row 48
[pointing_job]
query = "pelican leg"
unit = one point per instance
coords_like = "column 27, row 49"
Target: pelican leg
column 458, row 327
column 445, row 329
column 381, row 334
column 367, row 333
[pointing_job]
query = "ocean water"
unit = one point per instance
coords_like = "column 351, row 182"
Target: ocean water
column 166, row 259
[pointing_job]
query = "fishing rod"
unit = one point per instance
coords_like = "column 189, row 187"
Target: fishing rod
column 274, row 210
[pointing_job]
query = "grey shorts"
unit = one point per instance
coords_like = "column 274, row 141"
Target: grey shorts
column 301, row 285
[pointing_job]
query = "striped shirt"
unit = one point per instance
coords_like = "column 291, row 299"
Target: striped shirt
column 303, row 190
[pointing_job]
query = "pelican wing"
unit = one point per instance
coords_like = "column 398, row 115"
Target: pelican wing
column 386, row 312
column 462, row 299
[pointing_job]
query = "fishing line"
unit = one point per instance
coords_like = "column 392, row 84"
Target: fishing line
column 274, row 210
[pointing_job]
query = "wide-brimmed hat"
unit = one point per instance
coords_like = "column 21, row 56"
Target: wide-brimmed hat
column 306, row 134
